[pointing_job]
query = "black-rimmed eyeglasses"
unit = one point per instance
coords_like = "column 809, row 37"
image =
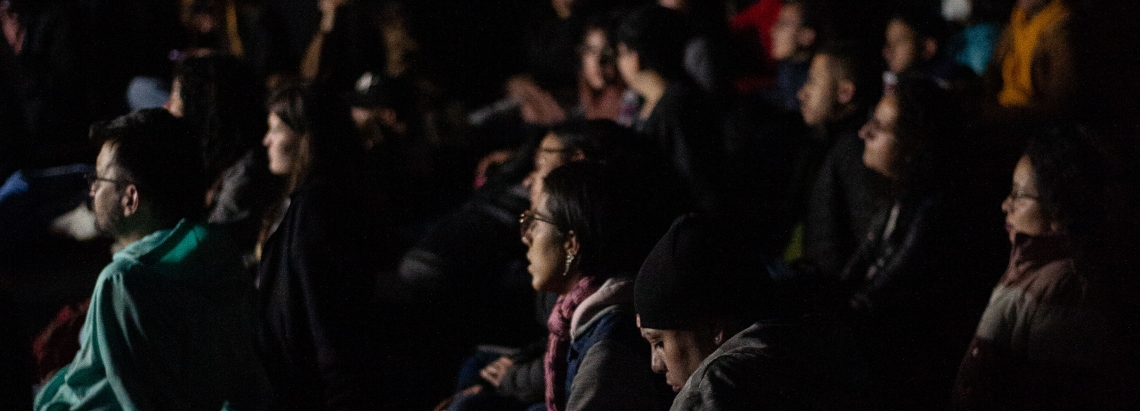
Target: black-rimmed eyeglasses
column 527, row 219
column 93, row 177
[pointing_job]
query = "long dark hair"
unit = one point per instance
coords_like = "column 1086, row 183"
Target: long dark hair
column 1073, row 181
column 328, row 146
column 929, row 135
column 221, row 102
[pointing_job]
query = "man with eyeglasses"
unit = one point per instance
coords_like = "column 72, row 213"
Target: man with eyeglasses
column 169, row 325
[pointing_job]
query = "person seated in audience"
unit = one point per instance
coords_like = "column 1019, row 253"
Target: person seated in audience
column 1055, row 334
column 219, row 99
column 1033, row 72
column 795, row 37
column 840, row 192
column 505, row 381
column 674, row 113
column 601, row 91
column 386, row 113
column 320, row 261
column 719, row 330
column 586, row 233
column 915, row 41
column 916, row 284
column 169, row 323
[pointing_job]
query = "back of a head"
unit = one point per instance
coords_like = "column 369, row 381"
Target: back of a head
column 858, row 63
column 221, row 101
column 929, row 133
column 609, row 210
column 658, row 35
column 159, row 155
column 695, row 273
column 815, row 15
column 329, row 146
column 1072, row 179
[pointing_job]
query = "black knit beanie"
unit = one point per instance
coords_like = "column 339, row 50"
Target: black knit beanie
column 696, row 273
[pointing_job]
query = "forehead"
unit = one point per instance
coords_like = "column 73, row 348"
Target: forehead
column 551, row 141
column 106, row 156
column 821, row 66
column 652, row 333
column 899, row 28
column 539, row 201
column 790, row 12
column 1023, row 175
column 888, row 109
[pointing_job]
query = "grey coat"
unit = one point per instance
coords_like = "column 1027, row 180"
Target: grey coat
column 778, row 366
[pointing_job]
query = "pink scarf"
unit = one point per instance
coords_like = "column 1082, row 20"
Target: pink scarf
column 559, row 346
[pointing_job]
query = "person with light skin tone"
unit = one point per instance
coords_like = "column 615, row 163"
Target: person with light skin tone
column 601, row 89
column 793, row 44
column 710, row 311
column 174, row 293
column 508, row 378
column 675, row 113
column 842, row 192
column 908, row 272
column 1061, row 287
column 904, row 46
column 828, row 95
column 580, row 241
column 318, row 261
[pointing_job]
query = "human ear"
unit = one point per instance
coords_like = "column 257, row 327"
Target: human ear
column 846, row 91
column 130, row 200
column 577, row 155
column 571, row 245
column 929, row 48
column 805, row 38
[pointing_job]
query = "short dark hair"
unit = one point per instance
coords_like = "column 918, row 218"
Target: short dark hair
column 160, row 157
column 925, row 23
column 928, row 132
column 323, row 120
column 859, row 64
column 658, row 35
column 611, row 213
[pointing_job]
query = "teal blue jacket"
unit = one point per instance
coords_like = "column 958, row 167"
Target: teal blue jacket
column 170, row 327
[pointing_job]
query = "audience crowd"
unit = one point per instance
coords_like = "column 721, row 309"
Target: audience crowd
column 673, row 204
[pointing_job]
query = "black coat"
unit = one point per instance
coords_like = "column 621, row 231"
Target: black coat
column 914, row 291
column 316, row 284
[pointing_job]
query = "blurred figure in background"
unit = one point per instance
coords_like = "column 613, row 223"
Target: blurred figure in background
column 320, row 261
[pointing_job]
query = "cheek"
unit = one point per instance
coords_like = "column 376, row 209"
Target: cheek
column 544, row 257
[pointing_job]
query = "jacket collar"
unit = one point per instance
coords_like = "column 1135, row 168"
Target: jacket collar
column 613, row 294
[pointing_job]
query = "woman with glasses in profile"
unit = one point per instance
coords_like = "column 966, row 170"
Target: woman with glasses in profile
column 586, row 234
column 1055, row 334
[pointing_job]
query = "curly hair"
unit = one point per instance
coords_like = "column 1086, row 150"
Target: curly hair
column 1072, row 179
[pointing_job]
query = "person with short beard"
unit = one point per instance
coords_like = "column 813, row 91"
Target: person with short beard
column 170, row 322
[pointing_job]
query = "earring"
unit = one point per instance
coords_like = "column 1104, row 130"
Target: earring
column 716, row 339
column 569, row 260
